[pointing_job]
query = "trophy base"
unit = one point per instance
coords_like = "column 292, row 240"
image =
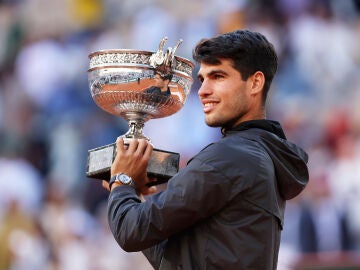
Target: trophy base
column 162, row 164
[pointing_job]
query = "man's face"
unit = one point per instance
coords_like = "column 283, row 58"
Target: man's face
column 159, row 82
column 225, row 97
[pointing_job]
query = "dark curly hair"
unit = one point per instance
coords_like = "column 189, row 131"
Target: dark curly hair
column 249, row 52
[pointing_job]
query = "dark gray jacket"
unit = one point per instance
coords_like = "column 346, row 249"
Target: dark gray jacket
column 224, row 210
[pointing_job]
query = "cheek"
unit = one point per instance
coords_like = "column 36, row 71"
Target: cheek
column 237, row 103
column 235, row 92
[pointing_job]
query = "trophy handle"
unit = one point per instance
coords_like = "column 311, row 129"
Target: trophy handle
column 170, row 55
column 162, row 62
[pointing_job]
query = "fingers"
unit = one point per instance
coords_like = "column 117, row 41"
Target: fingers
column 105, row 184
column 148, row 151
column 137, row 146
column 147, row 190
column 140, row 147
column 120, row 145
column 131, row 145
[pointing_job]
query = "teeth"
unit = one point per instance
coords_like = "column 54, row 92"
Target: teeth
column 208, row 105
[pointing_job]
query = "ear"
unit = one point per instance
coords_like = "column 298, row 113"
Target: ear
column 257, row 82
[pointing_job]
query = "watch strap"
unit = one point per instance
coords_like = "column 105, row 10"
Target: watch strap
column 112, row 179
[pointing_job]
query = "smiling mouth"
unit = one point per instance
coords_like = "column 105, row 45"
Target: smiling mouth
column 208, row 106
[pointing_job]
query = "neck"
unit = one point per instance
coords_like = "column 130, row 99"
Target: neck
column 257, row 115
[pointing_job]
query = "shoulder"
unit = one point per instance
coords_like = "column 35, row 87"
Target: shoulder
column 152, row 90
column 234, row 157
column 241, row 161
column 233, row 148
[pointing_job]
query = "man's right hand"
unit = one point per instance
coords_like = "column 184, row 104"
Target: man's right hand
column 132, row 159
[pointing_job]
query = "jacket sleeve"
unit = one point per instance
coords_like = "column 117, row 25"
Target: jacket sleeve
column 194, row 194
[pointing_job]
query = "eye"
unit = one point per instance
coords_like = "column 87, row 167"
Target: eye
column 217, row 75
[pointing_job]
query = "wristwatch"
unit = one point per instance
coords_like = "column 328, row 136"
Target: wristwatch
column 121, row 178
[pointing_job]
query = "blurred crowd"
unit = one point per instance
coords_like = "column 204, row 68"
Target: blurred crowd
column 53, row 217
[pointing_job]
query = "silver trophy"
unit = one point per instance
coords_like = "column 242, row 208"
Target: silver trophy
column 138, row 86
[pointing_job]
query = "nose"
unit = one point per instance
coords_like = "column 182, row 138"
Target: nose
column 204, row 89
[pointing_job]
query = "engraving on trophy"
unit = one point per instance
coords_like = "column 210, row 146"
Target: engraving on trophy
column 138, row 86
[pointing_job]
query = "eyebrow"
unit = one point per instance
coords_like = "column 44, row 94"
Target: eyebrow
column 216, row 71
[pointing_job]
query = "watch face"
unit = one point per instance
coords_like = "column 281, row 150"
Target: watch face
column 124, row 179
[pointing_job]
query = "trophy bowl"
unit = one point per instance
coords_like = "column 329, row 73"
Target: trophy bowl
column 137, row 86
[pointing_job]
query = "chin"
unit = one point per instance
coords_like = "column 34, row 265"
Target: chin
column 222, row 124
column 213, row 123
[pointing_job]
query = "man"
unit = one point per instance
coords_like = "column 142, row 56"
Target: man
column 225, row 209
column 161, row 86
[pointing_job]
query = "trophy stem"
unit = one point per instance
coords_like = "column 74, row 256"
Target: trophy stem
column 135, row 130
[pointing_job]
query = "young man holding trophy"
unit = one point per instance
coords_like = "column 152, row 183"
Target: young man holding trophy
column 225, row 209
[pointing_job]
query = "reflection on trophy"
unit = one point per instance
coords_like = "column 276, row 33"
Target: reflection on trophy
column 138, row 86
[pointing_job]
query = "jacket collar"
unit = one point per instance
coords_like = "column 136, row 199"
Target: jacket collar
column 267, row 125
